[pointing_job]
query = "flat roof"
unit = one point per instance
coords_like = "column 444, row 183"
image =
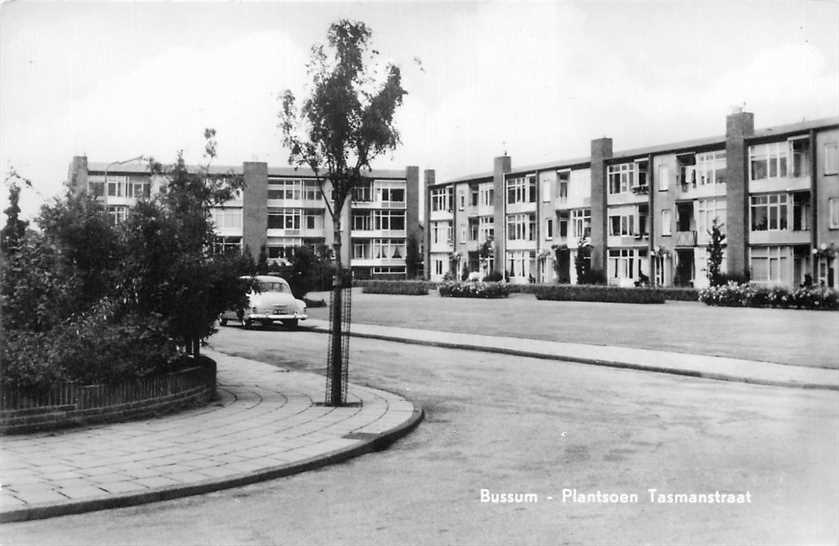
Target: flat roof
column 707, row 142
column 142, row 167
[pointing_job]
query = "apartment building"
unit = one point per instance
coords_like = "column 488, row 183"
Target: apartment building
column 281, row 208
column 644, row 215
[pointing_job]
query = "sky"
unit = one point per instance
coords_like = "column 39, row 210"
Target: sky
column 538, row 80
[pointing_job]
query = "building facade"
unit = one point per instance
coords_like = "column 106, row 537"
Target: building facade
column 281, row 208
column 644, row 215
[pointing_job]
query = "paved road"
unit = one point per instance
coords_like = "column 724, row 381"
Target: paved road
column 519, row 425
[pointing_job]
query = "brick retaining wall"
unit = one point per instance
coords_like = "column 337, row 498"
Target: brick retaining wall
column 69, row 404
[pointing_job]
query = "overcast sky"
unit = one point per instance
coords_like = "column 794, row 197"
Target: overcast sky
column 539, row 80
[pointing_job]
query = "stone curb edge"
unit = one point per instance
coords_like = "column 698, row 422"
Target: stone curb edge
column 592, row 361
column 378, row 443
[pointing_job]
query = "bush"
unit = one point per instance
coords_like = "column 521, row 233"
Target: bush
column 593, row 276
column 733, row 294
column 474, row 290
column 493, row 276
column 612, row 294
column 407, row 288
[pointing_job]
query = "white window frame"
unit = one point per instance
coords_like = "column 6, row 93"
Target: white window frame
column 549, row 229
column 831, row 158
column 833, row 212
column 666, row 222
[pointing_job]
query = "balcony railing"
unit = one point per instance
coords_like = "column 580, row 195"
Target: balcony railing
column 685, row 238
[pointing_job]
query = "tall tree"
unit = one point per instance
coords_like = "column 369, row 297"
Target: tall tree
column 715, row 252
column 341, row 127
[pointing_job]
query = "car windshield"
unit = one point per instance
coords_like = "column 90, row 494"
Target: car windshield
column 268, row 286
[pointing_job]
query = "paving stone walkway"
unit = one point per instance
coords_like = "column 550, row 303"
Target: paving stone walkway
column 267, row 423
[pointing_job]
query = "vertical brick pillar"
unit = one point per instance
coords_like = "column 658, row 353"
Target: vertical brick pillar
column 501, row 166
column 601, row 150
column 77, row 174
column 255, row 206
column 738, row 126
column 412, row 193
column 429, row 178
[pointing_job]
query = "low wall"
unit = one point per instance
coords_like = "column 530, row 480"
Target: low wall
column 70, row 404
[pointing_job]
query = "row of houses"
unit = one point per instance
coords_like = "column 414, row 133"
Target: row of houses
column 644, row 215
column 638, row 216
column 281, row 209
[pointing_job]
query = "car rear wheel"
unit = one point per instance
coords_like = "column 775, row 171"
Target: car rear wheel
column 247, row 323
column 291, row 324
column 223, row 321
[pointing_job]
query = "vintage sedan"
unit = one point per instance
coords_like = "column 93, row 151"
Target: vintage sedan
column 271, row 301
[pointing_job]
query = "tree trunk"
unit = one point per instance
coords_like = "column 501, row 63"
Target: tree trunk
column 336, row 377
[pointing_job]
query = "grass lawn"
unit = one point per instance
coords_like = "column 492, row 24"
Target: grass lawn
column 804, row 338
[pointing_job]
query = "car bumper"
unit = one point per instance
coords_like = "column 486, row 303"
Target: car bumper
column 267, row 317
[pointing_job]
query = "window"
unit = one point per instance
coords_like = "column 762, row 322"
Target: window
column 770, row 264
column 521, row 227
column 441, row 232
column 311, row 221
column 363, row 193
column 289, row 189
column 622, row 263
column 641, row 173
column 800, row 150
column 546, row 191
column 117, row 214
column 663, row 177
column 474, row 196
column 393, row 195
column 473, row 229
column 707, row 210
column 96, row 188
column 687, row 170
column 563, row 224
column 521, row 189
column 549, row 228
column 227, row 218
column 362, row 221
column 581, row 222
column 117, row 186
column 389, row 219
column 227, row 245
column 769, row 212
column 666, row 220
column 831, row 158
column 768, row 160
column 388, row 249
column 441, row 199
column 710, row 168
column 801, row 211
column 833, row 212
column 620, row 177
column 621, row 225
column 361, row 251
column 311, row 191
column 564, row 178
column 284, row 219
column 489, row 197
column 462, row 199
column 486, row 228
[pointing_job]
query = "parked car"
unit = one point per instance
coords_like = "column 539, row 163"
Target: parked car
column 271, row 301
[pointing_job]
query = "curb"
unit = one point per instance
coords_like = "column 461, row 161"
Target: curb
column 375, row 443
column 593, row 361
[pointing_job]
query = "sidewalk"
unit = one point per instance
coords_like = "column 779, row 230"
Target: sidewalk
column 708, row 367
column 266, row 425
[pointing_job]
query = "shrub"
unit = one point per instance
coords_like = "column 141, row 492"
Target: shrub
column 474, row 290
column 612, row 294
column 407, row 288
column 493, row 276
column 746, row 295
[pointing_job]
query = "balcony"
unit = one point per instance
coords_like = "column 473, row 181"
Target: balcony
column 685, row 238
column 640, row 190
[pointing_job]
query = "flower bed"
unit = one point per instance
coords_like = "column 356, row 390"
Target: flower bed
column 407, row 288
column 748, row 295
column 592, row 292
column 474, row 289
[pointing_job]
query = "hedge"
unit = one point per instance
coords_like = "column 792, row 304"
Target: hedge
column 408, row 288
column 680, row 294
column 594, row 292
column 474, row 289
column 749, row 295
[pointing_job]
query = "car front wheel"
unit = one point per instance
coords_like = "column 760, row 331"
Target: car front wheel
column 291, row 324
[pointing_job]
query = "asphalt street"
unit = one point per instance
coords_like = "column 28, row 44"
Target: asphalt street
column 518, row 425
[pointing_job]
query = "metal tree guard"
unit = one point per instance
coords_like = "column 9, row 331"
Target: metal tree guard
column 345, row 301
